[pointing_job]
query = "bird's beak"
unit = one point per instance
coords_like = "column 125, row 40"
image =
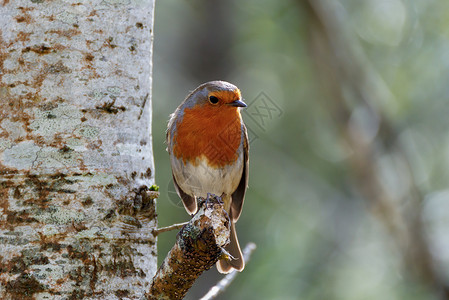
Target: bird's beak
column 238, row 103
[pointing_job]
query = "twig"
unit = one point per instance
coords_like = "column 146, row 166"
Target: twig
column 221, row 286
column 168, row 228
column 198, row 247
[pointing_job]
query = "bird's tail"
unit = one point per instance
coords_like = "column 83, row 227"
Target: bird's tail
column 224, row 265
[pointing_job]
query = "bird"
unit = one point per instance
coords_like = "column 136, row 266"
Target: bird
column 207, row 142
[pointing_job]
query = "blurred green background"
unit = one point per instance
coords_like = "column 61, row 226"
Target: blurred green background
column 349, row 160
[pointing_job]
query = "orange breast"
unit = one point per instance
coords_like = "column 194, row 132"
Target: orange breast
column 214, row 132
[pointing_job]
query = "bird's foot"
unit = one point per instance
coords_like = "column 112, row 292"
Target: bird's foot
column 211, row 196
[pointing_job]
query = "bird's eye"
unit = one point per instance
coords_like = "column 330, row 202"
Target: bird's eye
column 213, row 99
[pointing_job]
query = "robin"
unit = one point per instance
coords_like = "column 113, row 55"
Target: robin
column 208, row 147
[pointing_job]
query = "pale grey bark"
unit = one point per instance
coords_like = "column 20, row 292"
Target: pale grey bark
column 76, row 219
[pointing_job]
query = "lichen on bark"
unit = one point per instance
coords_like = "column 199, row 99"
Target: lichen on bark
column 76, row 215
column 199, row 244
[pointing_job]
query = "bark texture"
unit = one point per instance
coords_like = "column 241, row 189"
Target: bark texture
column 198, row 247
column 76, row 213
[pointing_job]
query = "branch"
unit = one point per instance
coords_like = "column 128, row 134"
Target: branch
column 221, row 286
column 198, row 247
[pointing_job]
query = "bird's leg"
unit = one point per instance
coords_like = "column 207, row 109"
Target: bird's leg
column 220, row 199
column 210, row 195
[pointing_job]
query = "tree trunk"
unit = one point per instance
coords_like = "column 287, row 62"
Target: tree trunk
column 75, row 149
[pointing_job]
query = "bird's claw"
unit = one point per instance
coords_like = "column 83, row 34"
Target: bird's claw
column 210, row 196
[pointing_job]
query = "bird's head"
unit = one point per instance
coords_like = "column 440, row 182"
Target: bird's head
column 216, row 94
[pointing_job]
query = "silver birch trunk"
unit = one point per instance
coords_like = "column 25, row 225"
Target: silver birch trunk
column 75, row 149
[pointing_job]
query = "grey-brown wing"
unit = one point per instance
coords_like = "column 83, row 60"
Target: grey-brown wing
column 239, row 194
column 188, row 201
